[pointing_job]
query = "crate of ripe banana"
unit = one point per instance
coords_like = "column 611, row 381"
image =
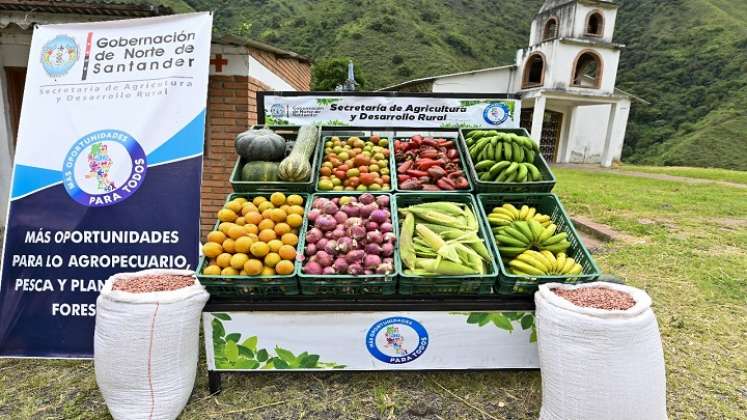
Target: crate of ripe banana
column 506, row 160
column 536, row 242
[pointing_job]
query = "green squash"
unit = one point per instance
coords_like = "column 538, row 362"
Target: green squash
column 296, row 166
column 260, row 171
column 260, row 144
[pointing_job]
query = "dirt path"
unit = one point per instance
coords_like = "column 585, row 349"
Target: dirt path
column 663, row 177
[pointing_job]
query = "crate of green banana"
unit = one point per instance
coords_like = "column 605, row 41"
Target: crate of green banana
column 535, row 241
column 443, row 247
column 506, row 160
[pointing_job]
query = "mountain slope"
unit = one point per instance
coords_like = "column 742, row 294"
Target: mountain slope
column 687, row 57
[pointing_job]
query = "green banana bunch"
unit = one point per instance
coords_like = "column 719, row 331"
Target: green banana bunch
column 508, row 213
column 521, row 235
column 544, row 263
column 503, row 157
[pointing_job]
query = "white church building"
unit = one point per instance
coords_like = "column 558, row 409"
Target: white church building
column 566, row 81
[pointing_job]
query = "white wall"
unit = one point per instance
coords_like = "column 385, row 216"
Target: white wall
column 492, row 81
column 582, row 12
column 586, row 139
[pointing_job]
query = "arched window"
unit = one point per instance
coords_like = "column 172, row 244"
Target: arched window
column 534, row 71
column 551, row 29
column 587, row 70
column 595, row 24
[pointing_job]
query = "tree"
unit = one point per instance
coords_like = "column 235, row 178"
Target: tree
column 326, row 74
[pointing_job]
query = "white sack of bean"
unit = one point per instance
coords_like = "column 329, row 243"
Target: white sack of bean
column 146, row 342
column 600, row 353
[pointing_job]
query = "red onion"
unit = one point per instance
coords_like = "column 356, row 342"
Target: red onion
column 372, row 226
column 310, row 249
column 386, row 227
column 341, row 217
column 371, row 261
column 375, row 236
column 378, row 216
column 330, row 208
column 313, row 235
column 355, row 269
column 351, row 210
column 329, row 270
column 357, row 232
column 336, row 200
column 325, row 222
column 321, row 243
column 329, row 235
column 384, row 268
column 368, row 272
column 313, row 214
column 319, row 203
column 390, row 237
column 331, row 247
column 353, row 221
column 368, row 209
column 373, row 248
column 312, row 268
column 345, row 244
column 382, row 201
column 366, row 198
column 355, row 256
column 341, row 265
column 338, row 233
column 387, row 249
column 324, row 259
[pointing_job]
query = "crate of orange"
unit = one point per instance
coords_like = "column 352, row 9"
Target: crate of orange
column 252, row 249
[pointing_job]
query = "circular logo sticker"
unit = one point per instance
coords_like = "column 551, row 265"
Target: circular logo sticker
column 397, row 340
column 104, row 168
column 277, row 110
column 59, row 55
column 496, row 113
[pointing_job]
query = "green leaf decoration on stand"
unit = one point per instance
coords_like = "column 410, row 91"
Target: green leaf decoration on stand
column 504, row 321
column 229, row 354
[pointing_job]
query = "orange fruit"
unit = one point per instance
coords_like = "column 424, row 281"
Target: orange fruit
column 284, row 268
column 248, row 208
column 282, row 228
column 253, row 267
column 259, row 249
column 253, row 217
column 295, row 210
column 268, row 271
column 294, row 220
column 267, row 213
column 277, row 199
column 238, row 261
column 285, row 208
column 251, row 228
column 234, row 206
column 287, row 252
column 266, row 224
column 226, row 215
column 212, row 250
column 243, row 244
column 229, row 271
column 253, row 237
column 223, row 260
column 258, row 199
column 265, row 205
column 278, row 215
column 272, row 259
column 211, row 270
column 241, row 200
column 240, row 221
column 223, row 227
column 235, row 232
column 229, row 245
column 267, row 235
column 294, row 200
column 216, row 236
column 243, row 273
column 290, row 239
column 275, row 245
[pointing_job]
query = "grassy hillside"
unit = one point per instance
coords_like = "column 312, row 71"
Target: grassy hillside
column 687, row 57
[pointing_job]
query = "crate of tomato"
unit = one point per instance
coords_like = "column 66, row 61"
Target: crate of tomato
column 430, row 164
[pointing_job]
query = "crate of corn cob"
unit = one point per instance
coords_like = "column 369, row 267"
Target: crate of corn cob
column 505, row 161
column 535, row 241
column 442, row 246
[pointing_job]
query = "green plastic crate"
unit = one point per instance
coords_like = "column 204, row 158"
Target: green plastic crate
column 320, row 160
column 546, row 185
column 347, row 286
column 253, row 286
column 475, row 285
column 289, row 134
column 549, row 204
column 463, row 162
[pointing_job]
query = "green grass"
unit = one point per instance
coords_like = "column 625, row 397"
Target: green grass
column 714, row 174
column 689, row 251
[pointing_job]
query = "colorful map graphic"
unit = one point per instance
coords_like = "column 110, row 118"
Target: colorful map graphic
column 395, row 340
column 100, row 163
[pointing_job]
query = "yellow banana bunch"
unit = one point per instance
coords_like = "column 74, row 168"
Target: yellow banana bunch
column 544, row 263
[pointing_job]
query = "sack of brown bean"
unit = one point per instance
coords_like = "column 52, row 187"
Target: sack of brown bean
column 146, row 342
column 600, row 353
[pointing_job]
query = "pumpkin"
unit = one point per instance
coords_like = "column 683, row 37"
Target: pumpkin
column 296, row 166
column 260, row 144
column 260, row 171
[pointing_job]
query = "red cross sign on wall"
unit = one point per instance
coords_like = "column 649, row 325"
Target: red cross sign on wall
column 218, row 62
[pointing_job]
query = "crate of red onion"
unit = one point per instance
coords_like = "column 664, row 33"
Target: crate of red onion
column 431, row 164
column 349, row 243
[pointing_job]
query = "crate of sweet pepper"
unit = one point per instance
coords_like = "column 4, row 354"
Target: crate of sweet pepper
column 535, row 241
column 349, row 243
column 505, row 161
column 443, row 248
column 252, row 249
column 431, row 164
column 274, row 159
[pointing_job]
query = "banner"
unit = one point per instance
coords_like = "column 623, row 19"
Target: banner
column 107, row 172
column 389, row 111
column 240, row 341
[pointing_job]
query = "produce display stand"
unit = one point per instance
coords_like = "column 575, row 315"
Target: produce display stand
column 436, row 323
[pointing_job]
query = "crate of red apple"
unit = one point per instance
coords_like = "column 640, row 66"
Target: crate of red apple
column 429, row 164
